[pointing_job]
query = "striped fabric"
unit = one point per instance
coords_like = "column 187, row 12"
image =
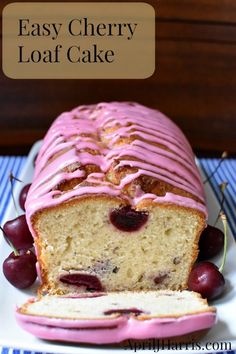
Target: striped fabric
column 7, row 165
column 226, row 172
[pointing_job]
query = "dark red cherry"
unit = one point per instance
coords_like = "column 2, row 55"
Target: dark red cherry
column 131, row 311
column 128, row 219
column 160, row 278
column 91, row 282
column 211, row 242
column 34, row 159
column 20, row 270
column 23, row 195
column 206, row 279
column 18, row 233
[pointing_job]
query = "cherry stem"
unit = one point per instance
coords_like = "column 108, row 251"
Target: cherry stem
column 223, row 157
column 224, row 221
column 11, row 178
column 16, row 253
column 222, row 186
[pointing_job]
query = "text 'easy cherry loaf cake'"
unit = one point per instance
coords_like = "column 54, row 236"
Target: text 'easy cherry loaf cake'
column 116, row 202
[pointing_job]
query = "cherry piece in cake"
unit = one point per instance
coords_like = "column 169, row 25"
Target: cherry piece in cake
column 160, row 278
column 131, row 311
column 91, row 282
column 128, row 219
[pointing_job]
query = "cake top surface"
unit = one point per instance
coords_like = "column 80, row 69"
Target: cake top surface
column 105, row 149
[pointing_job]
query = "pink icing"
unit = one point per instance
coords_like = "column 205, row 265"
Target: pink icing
column 70, row 131
column 113, row 330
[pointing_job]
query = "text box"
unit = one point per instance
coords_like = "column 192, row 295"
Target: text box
column 78, row 40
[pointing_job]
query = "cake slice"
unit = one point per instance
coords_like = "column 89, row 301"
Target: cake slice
column 103, row 318
column 116, row 202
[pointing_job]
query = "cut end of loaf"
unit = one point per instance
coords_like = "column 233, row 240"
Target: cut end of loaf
column 80, row 249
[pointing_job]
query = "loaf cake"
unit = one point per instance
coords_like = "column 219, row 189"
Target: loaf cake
column 116, row 202
column 103, row 318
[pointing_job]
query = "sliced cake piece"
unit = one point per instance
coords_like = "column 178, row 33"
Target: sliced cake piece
column 114, row 317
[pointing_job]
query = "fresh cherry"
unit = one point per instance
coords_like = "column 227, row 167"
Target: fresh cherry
column 20, row 269
column 206, row 279
column 91, row 282
column 18, row 233
column 131, row 311
column 23, row 195
column 34, row 159
column 128, row 219
column 211, row 242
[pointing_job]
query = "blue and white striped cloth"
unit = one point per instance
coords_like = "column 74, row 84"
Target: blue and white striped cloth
column 226, row 172
column 8, row 165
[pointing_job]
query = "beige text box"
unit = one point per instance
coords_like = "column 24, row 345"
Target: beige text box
column 78, row 40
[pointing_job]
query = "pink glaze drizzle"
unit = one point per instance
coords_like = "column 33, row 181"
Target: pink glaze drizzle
column 83, row 128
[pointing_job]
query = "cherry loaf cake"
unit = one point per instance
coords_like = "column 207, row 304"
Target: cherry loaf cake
column 116, row 202
column 114, row 317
